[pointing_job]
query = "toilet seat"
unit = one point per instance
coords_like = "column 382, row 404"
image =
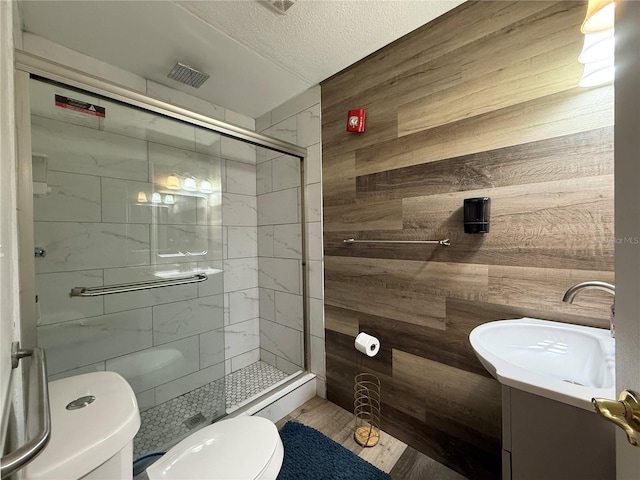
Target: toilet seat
column 242, row 448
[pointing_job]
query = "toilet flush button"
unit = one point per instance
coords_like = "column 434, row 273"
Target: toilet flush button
column 80, row 402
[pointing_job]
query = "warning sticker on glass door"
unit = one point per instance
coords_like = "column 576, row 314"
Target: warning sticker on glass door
column 80, row 106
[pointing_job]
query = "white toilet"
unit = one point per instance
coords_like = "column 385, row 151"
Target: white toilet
column 94, row 418
column 241, row 448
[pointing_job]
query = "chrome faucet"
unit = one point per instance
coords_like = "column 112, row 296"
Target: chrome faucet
column 571, row 293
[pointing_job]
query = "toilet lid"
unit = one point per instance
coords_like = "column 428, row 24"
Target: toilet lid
column 239, row 448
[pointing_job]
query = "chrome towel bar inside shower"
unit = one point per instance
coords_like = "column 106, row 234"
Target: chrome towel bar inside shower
column 444, row 242
column 133, row 287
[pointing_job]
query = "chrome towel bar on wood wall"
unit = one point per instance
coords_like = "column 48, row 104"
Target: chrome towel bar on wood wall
column 445, row 242
column 132, row 287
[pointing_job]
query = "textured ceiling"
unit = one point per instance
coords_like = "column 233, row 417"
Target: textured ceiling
column 316, row 39
column 257, row 58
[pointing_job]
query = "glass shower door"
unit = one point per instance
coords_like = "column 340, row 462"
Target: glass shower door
column 125, row 197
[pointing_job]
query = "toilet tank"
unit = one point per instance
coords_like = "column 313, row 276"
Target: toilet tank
column 94, row 418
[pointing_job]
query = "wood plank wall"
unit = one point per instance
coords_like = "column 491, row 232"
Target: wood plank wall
column 481, row 102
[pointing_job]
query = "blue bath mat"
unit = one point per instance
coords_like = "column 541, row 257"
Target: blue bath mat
column 310, row 455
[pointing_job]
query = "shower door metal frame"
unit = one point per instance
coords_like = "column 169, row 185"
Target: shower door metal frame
column 27, row 64
column 35, row 65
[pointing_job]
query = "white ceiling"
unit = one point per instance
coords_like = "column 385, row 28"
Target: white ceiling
column 256, row 57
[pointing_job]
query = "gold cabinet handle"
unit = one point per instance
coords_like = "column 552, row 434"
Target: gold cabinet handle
column 625, row 413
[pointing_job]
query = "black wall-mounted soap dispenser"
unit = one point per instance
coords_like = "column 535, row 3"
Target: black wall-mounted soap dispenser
column 476, row 214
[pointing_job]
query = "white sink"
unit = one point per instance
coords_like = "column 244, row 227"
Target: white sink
column 564, row 362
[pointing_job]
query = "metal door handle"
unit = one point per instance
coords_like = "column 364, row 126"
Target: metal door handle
column 625, row 413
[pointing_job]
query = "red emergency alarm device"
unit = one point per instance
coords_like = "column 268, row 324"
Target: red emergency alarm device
column 355, row 120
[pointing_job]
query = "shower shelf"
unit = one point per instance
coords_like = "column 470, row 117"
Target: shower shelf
column 133, row 287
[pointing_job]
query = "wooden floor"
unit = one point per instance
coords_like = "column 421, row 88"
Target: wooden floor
column 390, row 455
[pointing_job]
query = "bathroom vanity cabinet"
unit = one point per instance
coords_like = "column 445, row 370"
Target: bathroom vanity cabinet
column 550, row 440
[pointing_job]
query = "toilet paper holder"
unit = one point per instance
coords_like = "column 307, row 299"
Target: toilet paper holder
column 367, row 344
column 366, row 403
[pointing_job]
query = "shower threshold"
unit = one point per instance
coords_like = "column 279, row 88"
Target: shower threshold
column 163, row 424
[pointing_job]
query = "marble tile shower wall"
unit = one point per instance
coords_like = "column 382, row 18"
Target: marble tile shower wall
column 279, row 242
column 240, row 214
column 95, row 234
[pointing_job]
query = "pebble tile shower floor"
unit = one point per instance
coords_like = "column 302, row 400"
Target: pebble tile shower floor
column 165, row 422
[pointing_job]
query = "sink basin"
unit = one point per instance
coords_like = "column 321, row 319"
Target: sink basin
column 564, row 362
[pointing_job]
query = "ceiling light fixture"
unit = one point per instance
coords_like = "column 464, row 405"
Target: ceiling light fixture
column 173, row 182
column 598, row 51
column 206, row 187
column 597, row 47
column 189, row 184
column 600, row 16
column 597, row 73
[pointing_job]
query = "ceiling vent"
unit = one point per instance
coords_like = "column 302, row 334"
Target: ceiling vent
column 189, row 76
column 280, row 6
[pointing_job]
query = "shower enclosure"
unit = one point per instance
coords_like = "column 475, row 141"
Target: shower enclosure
column 161, row 254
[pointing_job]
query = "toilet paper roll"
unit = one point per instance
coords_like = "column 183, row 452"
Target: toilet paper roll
column 367, row 344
